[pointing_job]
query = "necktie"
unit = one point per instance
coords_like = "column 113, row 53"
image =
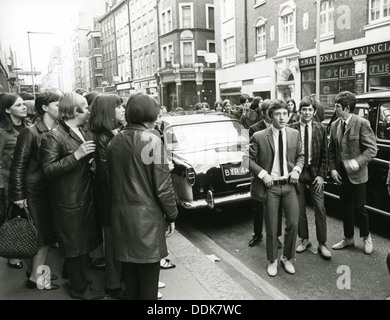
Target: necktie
column 281, row 153
column 343, row 128
column 306, row 146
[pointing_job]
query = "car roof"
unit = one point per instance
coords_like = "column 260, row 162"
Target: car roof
column 196, row 118
column 380, row 94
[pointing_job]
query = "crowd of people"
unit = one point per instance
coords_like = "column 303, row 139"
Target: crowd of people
column 76, row 160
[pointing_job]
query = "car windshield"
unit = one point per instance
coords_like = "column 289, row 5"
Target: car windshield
column 203, row 136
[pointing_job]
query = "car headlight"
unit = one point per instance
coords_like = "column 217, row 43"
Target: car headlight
column 190, row 176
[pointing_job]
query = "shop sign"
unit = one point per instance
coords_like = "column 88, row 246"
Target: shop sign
column 359, row 83
column 379, row 67
column 346, row 54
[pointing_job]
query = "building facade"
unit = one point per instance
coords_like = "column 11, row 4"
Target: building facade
column 53, row 78
column 274, row 55
column 95, row 60
column 186, row 36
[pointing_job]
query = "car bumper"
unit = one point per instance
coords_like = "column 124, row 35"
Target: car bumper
column 212, row 202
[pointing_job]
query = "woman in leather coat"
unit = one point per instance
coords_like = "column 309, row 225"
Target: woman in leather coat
column 13, row 113
column 66, row 154
column 107, row 113
column 143, row 199
column 27, row 186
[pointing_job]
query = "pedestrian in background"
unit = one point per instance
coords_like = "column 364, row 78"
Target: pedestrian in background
column 315, row 169
column 276, row 173
column 66, row 153
column 352, row 146
column 251, row 115
column 13, row 113
column 28, row 188
column 292, row 111
column 29, row 101
column 143, row 199
column 243, row 107
column 107, row 113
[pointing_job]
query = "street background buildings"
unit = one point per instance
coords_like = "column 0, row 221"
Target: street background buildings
column 263, row 48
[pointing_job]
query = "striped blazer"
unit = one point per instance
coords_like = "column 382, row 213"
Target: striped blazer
column 319, row 148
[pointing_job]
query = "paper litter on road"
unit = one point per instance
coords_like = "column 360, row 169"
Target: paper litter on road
column 213, row 257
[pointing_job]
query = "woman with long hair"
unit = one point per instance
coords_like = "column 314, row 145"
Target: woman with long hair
column 13, row 113
column 28, row 188
column 292, row 110
column 107, row 114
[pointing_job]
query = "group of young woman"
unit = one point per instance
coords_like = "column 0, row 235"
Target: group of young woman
column 77, row 170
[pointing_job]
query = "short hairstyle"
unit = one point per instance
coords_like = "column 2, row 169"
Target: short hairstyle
column 68, row 103
column 91, row 96
column 81, row 91
column 103, row 113
column 346, row 98
column 276, row 105
column 245, row 97
column 26, row 96
column 46, row 97
column 293, row 101
column 225, row 102
column 265, row 106
column 7, row 100
column 306, row 102
column 142, row 108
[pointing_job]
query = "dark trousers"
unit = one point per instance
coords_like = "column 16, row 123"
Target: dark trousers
column 277, row 195
column 75, row 268
column 3, row 210
column 306, row 183
column 258, row 215
column 353, row 199
column 141, row 280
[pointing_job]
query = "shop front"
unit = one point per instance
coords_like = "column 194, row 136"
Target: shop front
column 358, row 70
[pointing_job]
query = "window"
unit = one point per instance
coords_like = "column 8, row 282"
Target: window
column 136, row 68
column 147, row 65
column 287, row 27
column 187, row 53
column 327, row 17
column 153, row 63
column 379, row 10
column 210, row 24
column 227, row 9
column 383, row 130
column 166, row 21
column 228, row 49
column 141, row 67
column 211, row 49
column 186, row 15
column 151, row 29
column 167, row 54
column 260, row 37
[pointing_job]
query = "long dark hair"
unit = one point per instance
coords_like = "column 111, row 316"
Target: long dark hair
column 7, row 100
column 103, row 113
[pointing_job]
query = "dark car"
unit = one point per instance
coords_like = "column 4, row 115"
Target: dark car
column 206, row 151
column 374, row 106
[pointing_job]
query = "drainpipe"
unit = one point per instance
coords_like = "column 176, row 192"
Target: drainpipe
column 246, row 30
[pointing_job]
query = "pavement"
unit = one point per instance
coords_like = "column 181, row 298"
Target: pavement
column 197, row 276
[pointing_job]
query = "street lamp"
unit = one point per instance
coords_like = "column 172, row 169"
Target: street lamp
column 29, row 49
column 318, row 50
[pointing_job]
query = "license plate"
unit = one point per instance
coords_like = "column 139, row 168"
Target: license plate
column 234, row 172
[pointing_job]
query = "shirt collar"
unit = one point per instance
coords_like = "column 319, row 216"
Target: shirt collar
column 304, row 124
column 348, row 119
column 276, row 131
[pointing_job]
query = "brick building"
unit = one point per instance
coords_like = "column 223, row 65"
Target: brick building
column 268, row 48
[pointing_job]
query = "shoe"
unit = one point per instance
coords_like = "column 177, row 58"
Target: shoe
column 272, row 268
column 33, row 285
column 17, row 265
column 117, row 294
column 255, row 240
column 324, row 252
column 52, row 275
column 287, row 264
column 344, row 243
column 368, row 247
column 303, row 245
column 159, row 295
column 89, row 293
column 167, row 265
column 279, row 244
column 161, row 285
column 99, row 263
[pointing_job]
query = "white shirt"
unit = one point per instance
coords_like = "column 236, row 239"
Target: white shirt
column 310, row 128
column 77, row 131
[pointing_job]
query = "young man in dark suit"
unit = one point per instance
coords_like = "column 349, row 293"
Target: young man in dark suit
column 315, row 148
column 352, row 146
column 276, row 161
column 257, row 206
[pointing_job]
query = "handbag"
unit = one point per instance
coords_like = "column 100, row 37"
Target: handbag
column 18, row 236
